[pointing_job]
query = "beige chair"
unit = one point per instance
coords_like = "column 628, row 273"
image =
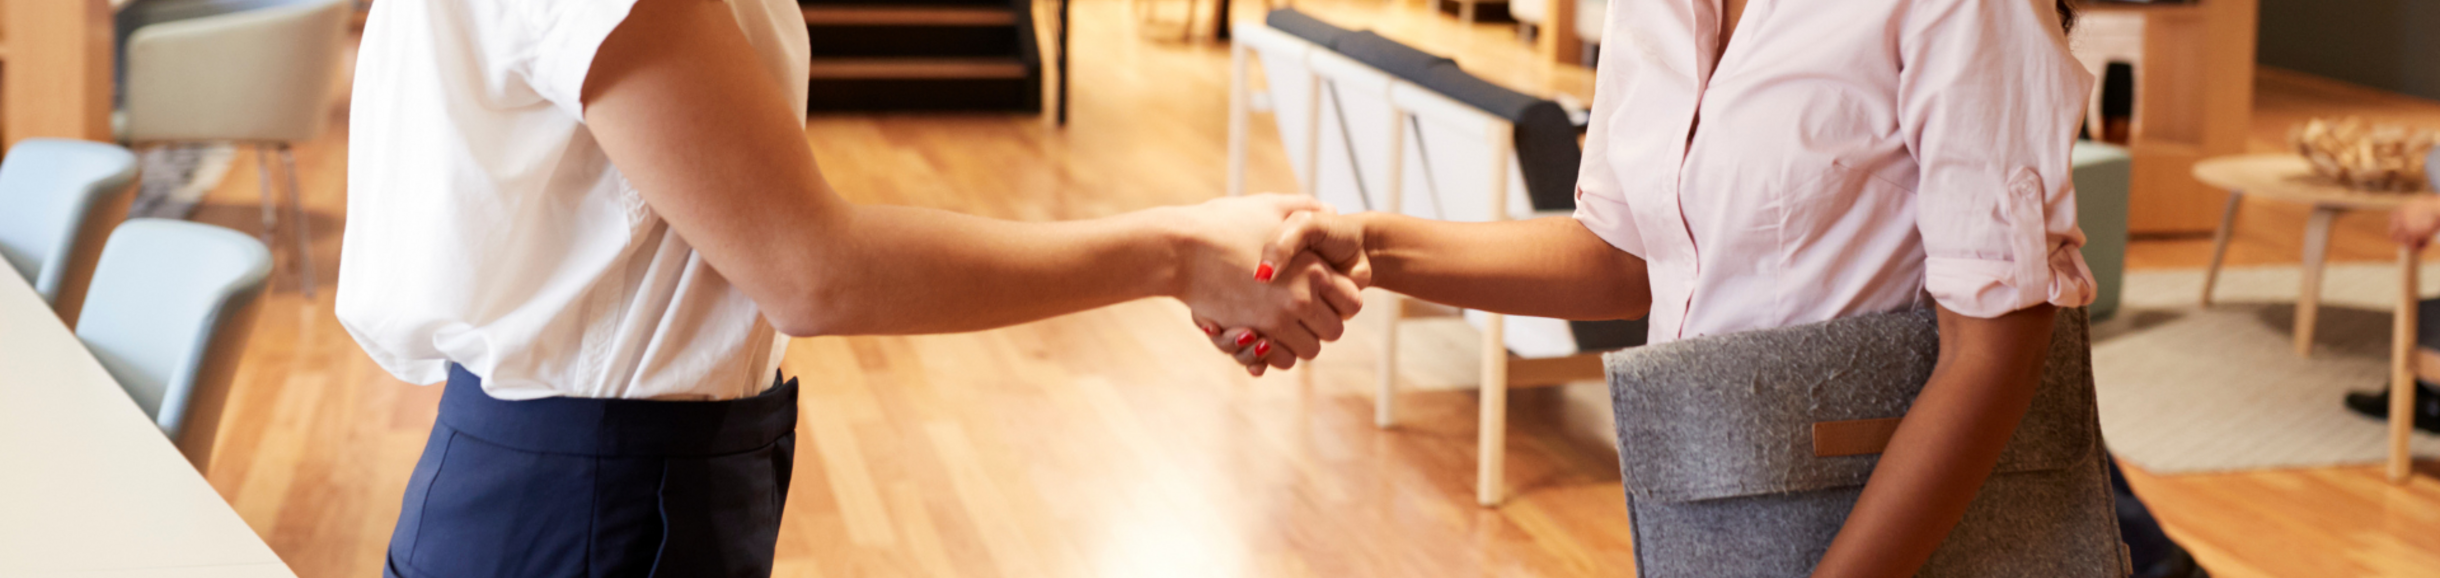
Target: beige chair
column 259, row 76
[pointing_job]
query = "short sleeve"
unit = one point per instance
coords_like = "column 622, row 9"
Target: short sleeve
column 1601, row 205
column 1990, row 101
column 563, row 36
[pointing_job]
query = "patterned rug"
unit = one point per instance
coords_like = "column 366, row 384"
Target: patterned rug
column 175, row 178
column 2191, row 390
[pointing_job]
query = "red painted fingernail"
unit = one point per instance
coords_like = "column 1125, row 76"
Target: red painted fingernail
column 1263, row 273
column 1261, row 349
column 1209, row 330
column 1248, row 337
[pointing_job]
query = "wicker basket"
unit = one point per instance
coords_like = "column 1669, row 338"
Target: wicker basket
column 2369, row 157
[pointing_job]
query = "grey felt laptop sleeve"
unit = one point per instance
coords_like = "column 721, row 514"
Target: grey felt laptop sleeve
column 1725, row 476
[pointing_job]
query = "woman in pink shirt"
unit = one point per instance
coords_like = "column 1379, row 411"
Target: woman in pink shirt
column 1766, row 163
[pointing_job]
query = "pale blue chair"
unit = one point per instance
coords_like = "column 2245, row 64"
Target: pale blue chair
column 58, row 200
column 2102, row 174
column 170, row 309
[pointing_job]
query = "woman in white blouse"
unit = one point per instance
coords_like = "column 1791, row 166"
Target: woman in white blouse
column 598, row 220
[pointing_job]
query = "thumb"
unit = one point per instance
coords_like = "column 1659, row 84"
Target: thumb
column 1328, row 237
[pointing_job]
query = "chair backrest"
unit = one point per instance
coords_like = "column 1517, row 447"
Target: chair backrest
column 55, row 200
column 1328, row 95
column 263, row 74
column 1591, row 17
column 170, row 309
column 1535, row 12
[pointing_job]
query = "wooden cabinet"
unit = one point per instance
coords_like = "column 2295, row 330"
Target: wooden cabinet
column 2194, row 91
column 54, row 69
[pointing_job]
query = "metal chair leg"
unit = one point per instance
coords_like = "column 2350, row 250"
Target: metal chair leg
column 262, row 174
column 304, row 234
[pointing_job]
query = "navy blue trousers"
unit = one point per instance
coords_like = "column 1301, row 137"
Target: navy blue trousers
column 568, row 487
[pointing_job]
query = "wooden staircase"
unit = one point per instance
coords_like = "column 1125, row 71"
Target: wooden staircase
column 877, row 55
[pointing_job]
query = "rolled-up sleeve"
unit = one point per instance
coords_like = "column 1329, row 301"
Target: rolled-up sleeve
column 1990, row 101
column 1600, row 204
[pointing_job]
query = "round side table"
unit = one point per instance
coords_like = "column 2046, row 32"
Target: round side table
column 2285, row 177
column 2290, row 178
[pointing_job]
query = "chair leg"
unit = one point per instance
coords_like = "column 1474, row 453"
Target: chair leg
column 2402, row 367
column 1385, row 377
column 304, row 234
column 1491, row 450
column 262, row 174
column 2219, row 243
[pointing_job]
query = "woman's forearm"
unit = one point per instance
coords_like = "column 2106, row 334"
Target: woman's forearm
column 1947, row 444
column 905, row 270
column 1547, row 267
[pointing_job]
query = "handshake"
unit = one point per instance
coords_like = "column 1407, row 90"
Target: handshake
column 1271, row 277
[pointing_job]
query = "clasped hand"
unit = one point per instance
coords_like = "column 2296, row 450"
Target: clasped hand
column 1278, row 275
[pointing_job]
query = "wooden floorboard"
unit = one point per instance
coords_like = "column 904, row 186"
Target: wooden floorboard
column 1111, row 443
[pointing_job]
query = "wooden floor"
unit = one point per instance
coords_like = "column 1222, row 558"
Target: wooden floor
column 1111, row 443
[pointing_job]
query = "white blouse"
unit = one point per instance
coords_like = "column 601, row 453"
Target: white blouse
column 486, row 227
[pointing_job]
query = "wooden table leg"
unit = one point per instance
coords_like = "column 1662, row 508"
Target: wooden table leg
column 1491, row 441
column 2308, row 297
column 2402, row 366
column 2219, row 243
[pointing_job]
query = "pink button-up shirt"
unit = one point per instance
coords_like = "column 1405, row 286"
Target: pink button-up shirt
column 1854, row 157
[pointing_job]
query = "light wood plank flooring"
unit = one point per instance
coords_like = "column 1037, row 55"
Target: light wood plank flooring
column 1110, row 443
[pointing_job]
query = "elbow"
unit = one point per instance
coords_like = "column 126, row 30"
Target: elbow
column 802, row 321
column 1632, row 299
column 813, row 311
column 1635, row 309
column 799, row 325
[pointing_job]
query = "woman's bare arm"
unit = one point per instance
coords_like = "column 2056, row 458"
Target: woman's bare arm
column 684, row 108
column 1946, row 445
column 1547, row 267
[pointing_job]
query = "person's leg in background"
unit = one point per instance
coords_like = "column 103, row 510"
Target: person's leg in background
column 2153, row 553
column 2375, row 403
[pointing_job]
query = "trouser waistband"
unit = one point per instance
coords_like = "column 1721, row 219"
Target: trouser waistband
column 619, row 427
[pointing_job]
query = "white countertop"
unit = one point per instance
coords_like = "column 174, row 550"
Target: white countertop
column 88, row 486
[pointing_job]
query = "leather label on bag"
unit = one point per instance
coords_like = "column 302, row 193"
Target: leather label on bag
column 1852, row 437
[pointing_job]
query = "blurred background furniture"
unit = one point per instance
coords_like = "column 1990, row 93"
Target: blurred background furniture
column 257, row 74
column 2414, row 353
column 1561, row 31
column 2102, row 173
column 931, row 55
column 2193, row 94
column 93, row 487
column 2285, row 177
column 171, row 306
column 59, row 199
column 55, row 81
column 1371, row 124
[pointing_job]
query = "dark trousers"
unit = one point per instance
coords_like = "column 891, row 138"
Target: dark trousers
column 596, row 487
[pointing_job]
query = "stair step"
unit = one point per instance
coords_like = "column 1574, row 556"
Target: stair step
column 915, row 68
column 885, row 15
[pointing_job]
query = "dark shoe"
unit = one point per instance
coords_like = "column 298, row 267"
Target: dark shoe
column 2375, row 405
column 2179, row 565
